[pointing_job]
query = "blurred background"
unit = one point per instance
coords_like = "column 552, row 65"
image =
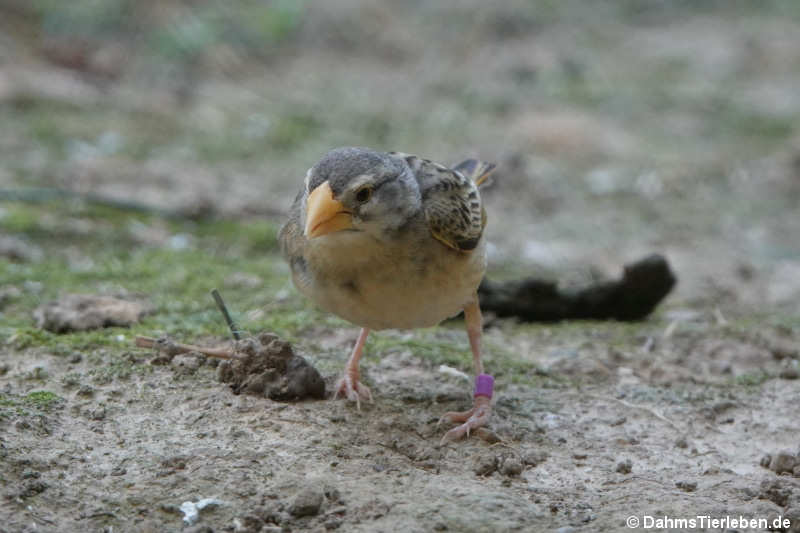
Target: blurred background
column 619, row 127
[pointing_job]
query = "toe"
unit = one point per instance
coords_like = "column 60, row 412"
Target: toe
column 473, row 419
column 456, row 416
column 454, row 434
column 363, row 390
column 352, row 390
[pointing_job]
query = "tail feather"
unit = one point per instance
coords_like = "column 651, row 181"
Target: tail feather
column 477, row 171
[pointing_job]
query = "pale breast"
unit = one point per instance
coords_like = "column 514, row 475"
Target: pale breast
column 379, row 286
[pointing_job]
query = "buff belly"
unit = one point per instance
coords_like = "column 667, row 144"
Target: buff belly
column 379, row 286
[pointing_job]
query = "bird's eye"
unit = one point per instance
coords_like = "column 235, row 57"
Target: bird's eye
column 363, row 195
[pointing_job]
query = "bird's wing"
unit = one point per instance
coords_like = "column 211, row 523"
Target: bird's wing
column 450, row 200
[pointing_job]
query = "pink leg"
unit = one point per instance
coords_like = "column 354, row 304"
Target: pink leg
column 482, row 406
column 349, row 385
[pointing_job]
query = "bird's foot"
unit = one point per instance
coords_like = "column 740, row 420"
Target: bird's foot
column 474, row 418
column 351, row 388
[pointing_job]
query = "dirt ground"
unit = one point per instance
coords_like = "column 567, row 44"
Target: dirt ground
column 620, row 130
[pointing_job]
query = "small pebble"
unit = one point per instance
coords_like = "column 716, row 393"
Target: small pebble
column 624, row 467
column 534, row 458
column 488, row 435
column 333, row 494
column 187, row 363
column 30, row 474
column 170, row 508
column 330, row 524
column 32, row 488
column 485, row 466
column 200, row 528
column 789, row 373
column 512, row 467
column 307, row 502
column 783, row 461
column 776, row 490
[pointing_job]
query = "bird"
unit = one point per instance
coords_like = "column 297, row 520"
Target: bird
column 389, row 240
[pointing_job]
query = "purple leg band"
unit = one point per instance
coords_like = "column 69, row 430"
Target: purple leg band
column 484, row 385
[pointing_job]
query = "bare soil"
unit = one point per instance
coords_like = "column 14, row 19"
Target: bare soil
column 618, row 131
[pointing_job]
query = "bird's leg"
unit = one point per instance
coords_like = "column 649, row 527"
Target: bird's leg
column 349, row 385
column 482, row 406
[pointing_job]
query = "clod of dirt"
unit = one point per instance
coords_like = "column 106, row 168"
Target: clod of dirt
column 624, row 467
column 270, row 368
column 789, row 372
column 487, row 435
column 512, row 467
column 486, row 465
column 80, row 312
column 187, row 363
column 307, row 502
column 8, row 294
column 642, row 286
column 783, row 461
column 248, row 523
column 533, row 458
column 32, row 488
column 202, row 528
column 271, row 512
column 776, row 491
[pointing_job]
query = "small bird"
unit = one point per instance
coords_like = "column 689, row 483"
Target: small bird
column 391, row 240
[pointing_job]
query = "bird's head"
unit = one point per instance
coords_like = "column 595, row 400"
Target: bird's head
column 357, row 189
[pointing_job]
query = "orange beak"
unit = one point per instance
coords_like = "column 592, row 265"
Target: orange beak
column 324, row 214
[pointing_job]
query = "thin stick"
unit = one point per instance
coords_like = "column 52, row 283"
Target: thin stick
column 174, row 348
column 634, row 406
column 224, row 310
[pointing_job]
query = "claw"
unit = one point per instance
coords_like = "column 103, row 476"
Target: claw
column 352, row 389
column 476, row 417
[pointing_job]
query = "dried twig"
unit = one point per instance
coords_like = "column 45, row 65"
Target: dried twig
column 175, row 348
column 224, row 310
column 634, row 406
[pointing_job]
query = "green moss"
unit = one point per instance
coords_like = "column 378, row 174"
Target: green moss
column 28, row 336
column 118, row 369
column 37, row 401
column 42, row 399
column 751, row 379
column 19, row 219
